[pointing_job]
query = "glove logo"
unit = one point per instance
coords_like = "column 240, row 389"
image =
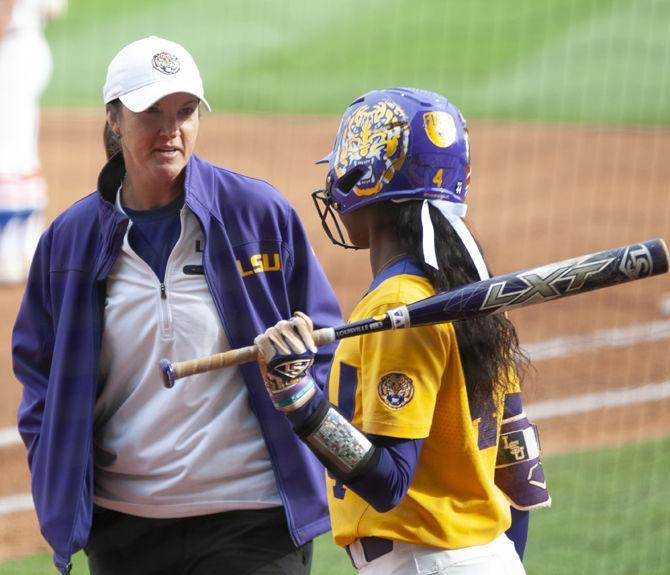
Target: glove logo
column 166, row 63
column 395, row 390
column 293, row 370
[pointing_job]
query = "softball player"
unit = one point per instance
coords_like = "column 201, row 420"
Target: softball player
column 422, row 430
column 25, row 69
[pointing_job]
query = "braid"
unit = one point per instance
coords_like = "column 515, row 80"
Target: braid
column 488, row 345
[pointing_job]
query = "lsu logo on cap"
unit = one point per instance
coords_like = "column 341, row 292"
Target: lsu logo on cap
column 166, row 63
column 440, row 128
column 395, row 390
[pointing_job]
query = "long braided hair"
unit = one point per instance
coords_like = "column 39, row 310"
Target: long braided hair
column 488, row 345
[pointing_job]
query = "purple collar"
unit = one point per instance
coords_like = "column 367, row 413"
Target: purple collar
column 405, row 265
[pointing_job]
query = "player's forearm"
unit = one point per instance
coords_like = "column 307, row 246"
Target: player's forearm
column 385, row 466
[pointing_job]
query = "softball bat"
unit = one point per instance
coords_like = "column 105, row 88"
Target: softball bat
column 494, row 295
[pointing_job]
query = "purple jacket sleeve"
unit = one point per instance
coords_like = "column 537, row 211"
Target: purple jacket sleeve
column 32, row 345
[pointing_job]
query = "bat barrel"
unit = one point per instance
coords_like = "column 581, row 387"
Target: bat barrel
column 544, row 283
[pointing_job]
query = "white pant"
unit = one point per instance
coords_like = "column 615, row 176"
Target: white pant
column 496, row 558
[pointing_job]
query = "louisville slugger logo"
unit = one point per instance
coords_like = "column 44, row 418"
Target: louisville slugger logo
column 636, row 262
column 543, row 284
column 348, row 331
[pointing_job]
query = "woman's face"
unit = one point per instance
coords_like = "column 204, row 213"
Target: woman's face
column 158, row 142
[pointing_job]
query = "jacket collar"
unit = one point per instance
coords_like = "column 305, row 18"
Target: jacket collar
column 110, row 178
column 195, row 183
column 113, row 171
column 198, row 196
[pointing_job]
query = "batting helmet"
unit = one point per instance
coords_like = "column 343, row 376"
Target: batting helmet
column 398, row 143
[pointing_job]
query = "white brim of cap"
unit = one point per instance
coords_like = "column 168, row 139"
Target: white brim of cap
column 140, row 99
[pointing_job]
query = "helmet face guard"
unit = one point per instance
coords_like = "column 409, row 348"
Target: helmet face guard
column 395, row 144
column 323, row 201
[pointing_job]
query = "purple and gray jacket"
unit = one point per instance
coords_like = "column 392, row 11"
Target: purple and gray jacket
column 57, row 337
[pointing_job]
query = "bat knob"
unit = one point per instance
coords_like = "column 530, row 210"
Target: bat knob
column 168, row 373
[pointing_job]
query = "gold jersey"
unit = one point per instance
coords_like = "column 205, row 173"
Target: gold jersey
column 409, row 384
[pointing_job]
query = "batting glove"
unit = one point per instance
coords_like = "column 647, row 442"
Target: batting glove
column 286, row 352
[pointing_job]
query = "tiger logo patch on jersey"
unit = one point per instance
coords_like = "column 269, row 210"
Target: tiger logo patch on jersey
column 396, row 390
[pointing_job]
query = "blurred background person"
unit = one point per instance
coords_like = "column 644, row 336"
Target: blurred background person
column 25, row 69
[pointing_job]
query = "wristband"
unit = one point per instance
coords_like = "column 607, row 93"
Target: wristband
column 294, row 396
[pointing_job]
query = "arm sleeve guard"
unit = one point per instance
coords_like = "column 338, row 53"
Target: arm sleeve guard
column 344, row 450
column 519, row 474
column 380, row 474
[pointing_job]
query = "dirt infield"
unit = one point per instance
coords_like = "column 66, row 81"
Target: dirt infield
column 539, row 194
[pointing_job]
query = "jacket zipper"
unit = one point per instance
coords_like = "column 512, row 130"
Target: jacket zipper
column 280, row 489
column 165, row 313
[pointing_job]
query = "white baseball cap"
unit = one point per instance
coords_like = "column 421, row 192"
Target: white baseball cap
column 146, row 70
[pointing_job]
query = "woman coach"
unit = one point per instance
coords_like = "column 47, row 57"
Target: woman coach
column 170, row 257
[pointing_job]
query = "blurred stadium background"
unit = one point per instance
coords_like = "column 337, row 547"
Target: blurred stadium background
column 568, row 103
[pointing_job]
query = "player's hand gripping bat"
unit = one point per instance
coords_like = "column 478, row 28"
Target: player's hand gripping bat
column 494, row 295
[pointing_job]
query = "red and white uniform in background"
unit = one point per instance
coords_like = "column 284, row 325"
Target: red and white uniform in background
column 25, row 69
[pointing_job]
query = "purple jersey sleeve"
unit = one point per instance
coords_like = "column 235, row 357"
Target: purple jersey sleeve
column 518, row 531
column 385, row 485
